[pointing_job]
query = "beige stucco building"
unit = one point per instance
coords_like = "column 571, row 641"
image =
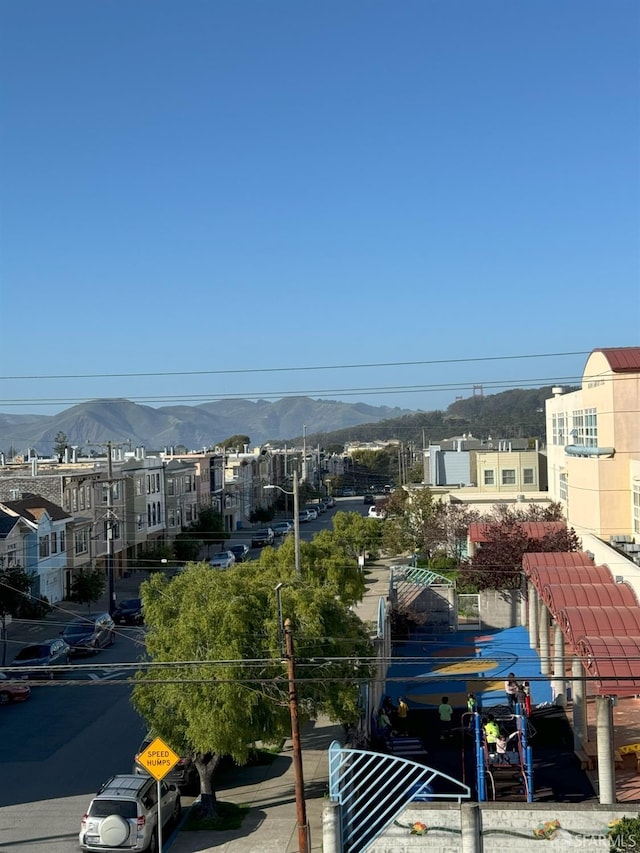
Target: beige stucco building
column 593, row 446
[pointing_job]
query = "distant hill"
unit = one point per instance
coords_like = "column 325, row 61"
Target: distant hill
column 511, row 414
column 518, row 413
column 193, row 427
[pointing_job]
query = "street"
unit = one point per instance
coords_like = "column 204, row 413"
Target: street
column 59, row 746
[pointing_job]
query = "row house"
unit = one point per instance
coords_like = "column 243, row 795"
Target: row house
column 36, row 537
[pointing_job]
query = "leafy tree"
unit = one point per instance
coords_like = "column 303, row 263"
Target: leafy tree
column 88, row 586
column 498, row 562
column 15, row 586
column 225, row 688
column 61, row 442
column 208, row 529
column 236, row 442
column 325, row 562
column 186, row 548
column 155, row 556
column 262, row 515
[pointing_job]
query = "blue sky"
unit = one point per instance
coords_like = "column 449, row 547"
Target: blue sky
column 229, row 195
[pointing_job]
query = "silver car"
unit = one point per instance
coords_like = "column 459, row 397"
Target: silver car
column 124, row 814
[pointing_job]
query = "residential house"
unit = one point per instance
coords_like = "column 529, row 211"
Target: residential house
column 44, row 544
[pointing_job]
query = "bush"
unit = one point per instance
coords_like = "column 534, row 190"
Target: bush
column 34, row 608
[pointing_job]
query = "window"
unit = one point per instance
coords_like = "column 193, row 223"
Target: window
column 105, row 493
column 43, row 546
column 577, row 432
column 54, row 543
column 63, row 541
column 171, row 486
column 139, row 485
column 115, row 530
column 74, row 500
column 509, row 477
column 558, row 429
column 157, row 488
column 115, row 491
column 12, row 555
column 82, row 541
column 171, row 517
column 489, row 477
column 590, row 427
column 88, row 496
column 563, row 487
column 159, row 516
column 149, row 515
column 80, row 498
column 148, row 484
column 527, row 476
column 140, row 521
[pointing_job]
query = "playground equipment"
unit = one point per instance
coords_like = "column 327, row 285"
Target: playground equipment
column 516, row 760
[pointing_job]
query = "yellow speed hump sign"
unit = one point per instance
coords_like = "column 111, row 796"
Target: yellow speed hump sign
column 158, row 759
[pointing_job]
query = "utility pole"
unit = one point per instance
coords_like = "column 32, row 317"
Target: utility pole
column 304, row 845
column 110, row 577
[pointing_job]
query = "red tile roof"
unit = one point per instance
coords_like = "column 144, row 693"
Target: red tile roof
column 622, row 359
column 480, row 531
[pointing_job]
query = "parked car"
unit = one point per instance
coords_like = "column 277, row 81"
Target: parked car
column 322, row 507
column 262, row 537
column 304, row 516
column 12, row 691
column 124, row 814
column 330, row 501
column 348, row 493
column 222, row 560
column 184, row 774
column 240, row 552
column 89, row 634
column 37, row 656
column 128, row 612
column 281, row 528
column 312, row 512
column 368, row 500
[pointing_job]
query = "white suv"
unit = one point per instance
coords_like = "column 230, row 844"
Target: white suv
column 124, row 814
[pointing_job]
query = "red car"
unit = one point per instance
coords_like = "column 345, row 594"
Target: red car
column 12, row 691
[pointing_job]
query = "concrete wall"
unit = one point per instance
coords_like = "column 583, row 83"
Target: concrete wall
column 502, row 608
column 500, row 827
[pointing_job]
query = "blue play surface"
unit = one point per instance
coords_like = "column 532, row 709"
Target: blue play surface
column 428, row 667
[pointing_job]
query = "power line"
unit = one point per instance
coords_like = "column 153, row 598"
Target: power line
column 236, row 371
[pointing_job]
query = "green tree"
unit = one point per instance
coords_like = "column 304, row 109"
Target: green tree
column 186, row 547
column 208, row 529
column 223, row 688
column 155, row 556
column 15, row 588
column 236, row 442
column 88, row 586
column 61, row 442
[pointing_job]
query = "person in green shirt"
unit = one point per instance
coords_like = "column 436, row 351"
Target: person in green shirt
column 491, row 733
column 445, row 712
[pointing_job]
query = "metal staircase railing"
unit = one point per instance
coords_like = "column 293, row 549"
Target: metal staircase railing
column 373, row 789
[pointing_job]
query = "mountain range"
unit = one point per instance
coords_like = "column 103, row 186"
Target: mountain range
column 192, row 427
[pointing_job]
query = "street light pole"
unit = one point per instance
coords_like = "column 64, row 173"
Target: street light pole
column 296, row 516
column 296, row 521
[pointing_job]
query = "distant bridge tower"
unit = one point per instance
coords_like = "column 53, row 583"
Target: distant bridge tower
column 478, row 391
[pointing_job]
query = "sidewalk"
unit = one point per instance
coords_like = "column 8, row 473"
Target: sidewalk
column 271, row 825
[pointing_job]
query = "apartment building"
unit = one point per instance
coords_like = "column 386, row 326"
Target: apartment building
column 593, row 446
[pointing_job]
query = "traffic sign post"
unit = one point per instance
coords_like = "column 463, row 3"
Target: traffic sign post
column 158, row 759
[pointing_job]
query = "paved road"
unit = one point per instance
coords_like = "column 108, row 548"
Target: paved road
column 59, row 746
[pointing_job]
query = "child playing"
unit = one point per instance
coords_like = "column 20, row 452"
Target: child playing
column 445, row 712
